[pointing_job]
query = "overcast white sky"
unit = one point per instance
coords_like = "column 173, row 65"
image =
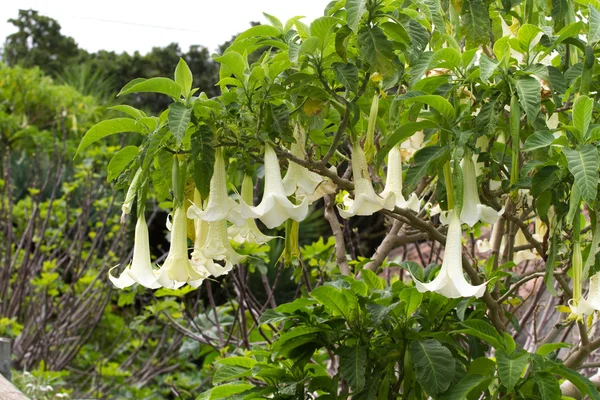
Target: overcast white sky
column 129, row 25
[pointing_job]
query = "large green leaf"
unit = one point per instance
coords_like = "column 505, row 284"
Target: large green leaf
column 582, row 115
column 527, row 33
column 121, row 160
column 179, row 118
column 106, row 128
column 547, row 385
column 581, row 382
column 538, row 140
column 225, row 391
column 257, row 31
column 347, row 74
column 153, row 85
column 511, row 367
column 528, row 91
column 338, row 302
column 424, row 159
column 482, row 330
column 355, row 9
column 487, row 66
column 203, row 154
column 322, row 28
column 402, row 133
column 476, row 22
column 583, row 164
column 594, row 33
column 434, row 365
column 353, row 362
column 183, row 77
column 461, row 390
column 376, row 49
column 442, row 105
column 235, row 63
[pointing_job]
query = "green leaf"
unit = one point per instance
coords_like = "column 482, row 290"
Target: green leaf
column 487, row 66
column 582, row 383
column 538, row 140
column 559, row 10
column 594, row 33
column 153, row 85
column 257, row 31
column 323, row 28
column 582, row 115
column 510, row 368
column 131, row 111
column 353, row 362
column 355, row 9
column 442, row 105
column 179, row 119
column 120, row 161
column 274, row 21
column 309, row 46
column 229, row 372
column 461, row 390
column 203, row 154
column 583, row 164
column 347, row 74
column 547, row 385
column 423, row 160
column 548, row 348
column 183, row 77
column 412, row 299
column 234, row 62
column 106, row 128
column 225, row 391
column 482, row 330
column 544, row 179
column 337, row 302
column 372, row 280
column 528, row 91
column 525, row 36
column 376, row 49
column 434, row 365
column 476, row 22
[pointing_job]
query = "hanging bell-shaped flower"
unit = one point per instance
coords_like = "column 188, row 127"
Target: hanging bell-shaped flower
column 177, row 269
column 140, row 269
column 393, row 182
column 275, row 207
column 216, row 255
column 248, row 232
column 299, row 180
column 472, row 210
column 366, row 201
column 220, row 205
column 451, row 281
column 592, row 302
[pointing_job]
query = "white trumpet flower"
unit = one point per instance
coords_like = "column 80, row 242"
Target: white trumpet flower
column 140, row 269
column 393, row 182
column 298, row 179
column 220, row 205
column 451, row 281
column 216, row 255
column 275, row 207
column 248, row 232
column 177, row 269
column 592, row 303
column 366, row 201
column 472, row 209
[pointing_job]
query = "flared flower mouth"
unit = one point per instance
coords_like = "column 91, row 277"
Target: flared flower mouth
column 299, row 180
column 451, row 281
column 275, row 208
column 216, row 255
column 591, row 303
column 140, row 269
column 220, row 205
column 393, row 182
column 472, row 209
column 366, row 201
column 177, row 269
column 248, row 232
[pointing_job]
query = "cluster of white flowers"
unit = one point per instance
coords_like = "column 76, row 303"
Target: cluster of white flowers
column 222, row 219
